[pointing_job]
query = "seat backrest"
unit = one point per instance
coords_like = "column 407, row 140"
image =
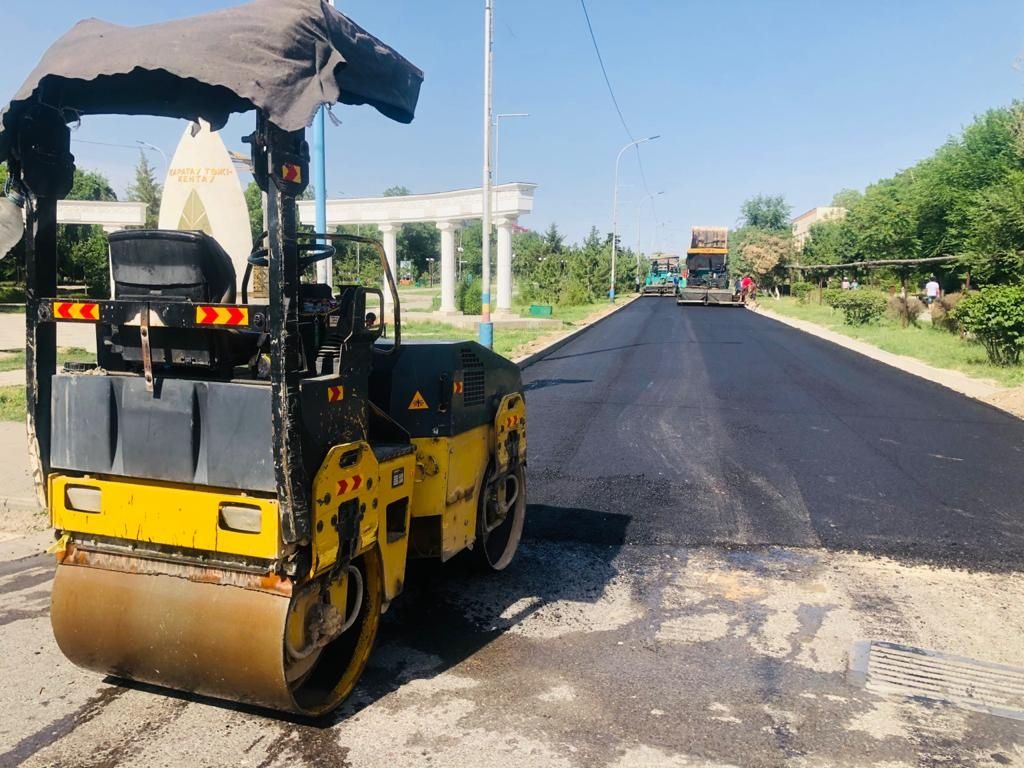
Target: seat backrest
column 149, row 263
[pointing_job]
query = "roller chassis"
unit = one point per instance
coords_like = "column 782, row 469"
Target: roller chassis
column 236, row 486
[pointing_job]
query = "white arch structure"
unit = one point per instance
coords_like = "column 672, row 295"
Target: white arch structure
column 112, row 216
column 448, row 211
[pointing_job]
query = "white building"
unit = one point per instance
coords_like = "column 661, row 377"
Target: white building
column 802, row 223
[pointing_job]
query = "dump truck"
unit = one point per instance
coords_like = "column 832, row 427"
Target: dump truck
column 662, row 276
column 236, row 484
column 706, row 276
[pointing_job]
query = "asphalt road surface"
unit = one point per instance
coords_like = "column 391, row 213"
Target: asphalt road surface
column 720, row 508
column 706, row 425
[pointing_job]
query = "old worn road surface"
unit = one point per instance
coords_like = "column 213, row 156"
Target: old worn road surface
column 721, row 507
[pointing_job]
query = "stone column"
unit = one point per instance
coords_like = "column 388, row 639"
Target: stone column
column 505, row 225
column 447, row 265
column 389, row 235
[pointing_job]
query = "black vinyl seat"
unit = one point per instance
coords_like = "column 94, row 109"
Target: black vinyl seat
column 168, row 265
column 190, row 266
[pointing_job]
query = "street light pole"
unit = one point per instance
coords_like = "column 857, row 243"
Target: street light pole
column 486, row 327
column 430, row 272
column 497, row 135
column 324, row 267
column 615, row 209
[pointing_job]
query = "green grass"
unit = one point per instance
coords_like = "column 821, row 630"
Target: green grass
column 930, row 345
column 16, row 360
column 12, row 403
column 506, row 342
column 509, row 343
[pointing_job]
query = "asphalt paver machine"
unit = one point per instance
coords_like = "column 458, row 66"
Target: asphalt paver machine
column 236, row 484
column 662, row 277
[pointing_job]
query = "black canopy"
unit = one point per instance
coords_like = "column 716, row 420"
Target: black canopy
column 286, row 57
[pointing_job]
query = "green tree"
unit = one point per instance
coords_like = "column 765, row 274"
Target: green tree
column 553, row 239
column 764, row 254
column 146, row 190
column 886, row 220
column 254, row 202
column 82, row 249
column 768, row 212
column 829, row 242
column 416, row 242
column 846, row 198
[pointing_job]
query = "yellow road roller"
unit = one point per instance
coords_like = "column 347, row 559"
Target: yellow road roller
column 238, row 481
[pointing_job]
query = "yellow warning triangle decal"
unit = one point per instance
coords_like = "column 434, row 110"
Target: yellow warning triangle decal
column 418, row 403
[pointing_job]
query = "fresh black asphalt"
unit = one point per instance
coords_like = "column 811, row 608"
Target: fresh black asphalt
column 673, row 425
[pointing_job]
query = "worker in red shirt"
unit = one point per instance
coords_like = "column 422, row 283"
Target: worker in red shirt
column 748, row 288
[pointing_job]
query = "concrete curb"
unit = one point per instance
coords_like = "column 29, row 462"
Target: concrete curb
column 554, row 346
column 984, row 390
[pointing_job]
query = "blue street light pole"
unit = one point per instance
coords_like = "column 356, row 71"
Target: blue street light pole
column 323, row 268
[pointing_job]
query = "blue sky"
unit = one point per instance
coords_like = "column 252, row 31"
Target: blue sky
column 799, row 98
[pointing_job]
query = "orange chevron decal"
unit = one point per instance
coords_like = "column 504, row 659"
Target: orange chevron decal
column 69, row 310
column 222, row 316
column 335, row 394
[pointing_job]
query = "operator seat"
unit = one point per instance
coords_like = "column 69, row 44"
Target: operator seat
column 170, row 266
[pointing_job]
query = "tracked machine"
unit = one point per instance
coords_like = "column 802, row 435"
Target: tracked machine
column 706, row 276
column 662, row 277
column 237, row 483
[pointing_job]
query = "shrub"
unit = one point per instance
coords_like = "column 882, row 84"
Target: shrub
column 467, row 297
column 859, row 307
column 832, row 296
column 995, row 315
column 942, row 312
column 802, row 291
column 574, row 294
column 906, row 310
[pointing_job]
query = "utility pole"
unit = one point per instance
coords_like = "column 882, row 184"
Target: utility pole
column 486, row 326
column 325, row 267
column 615, row 210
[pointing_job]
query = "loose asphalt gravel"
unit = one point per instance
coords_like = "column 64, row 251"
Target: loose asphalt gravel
column 720, row 507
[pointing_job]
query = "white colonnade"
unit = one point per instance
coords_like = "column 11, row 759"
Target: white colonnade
column 447, row 211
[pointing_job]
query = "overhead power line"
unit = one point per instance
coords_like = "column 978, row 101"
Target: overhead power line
column 611, row 92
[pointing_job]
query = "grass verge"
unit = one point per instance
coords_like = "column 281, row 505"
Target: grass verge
column 12, row 403
column 929, row 345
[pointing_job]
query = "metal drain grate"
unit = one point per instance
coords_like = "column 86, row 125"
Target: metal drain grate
column 889, row 668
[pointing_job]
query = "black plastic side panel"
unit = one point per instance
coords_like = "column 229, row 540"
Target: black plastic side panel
column 201, row 432
column 460, row 383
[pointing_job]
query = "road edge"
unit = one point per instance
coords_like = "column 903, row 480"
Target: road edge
column 527, row 360
column 985, row 391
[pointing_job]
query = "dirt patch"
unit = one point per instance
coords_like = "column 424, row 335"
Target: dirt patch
column 1009, row 400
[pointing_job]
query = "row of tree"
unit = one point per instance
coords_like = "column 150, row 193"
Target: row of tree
column 546, row 268
column 965, row 201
